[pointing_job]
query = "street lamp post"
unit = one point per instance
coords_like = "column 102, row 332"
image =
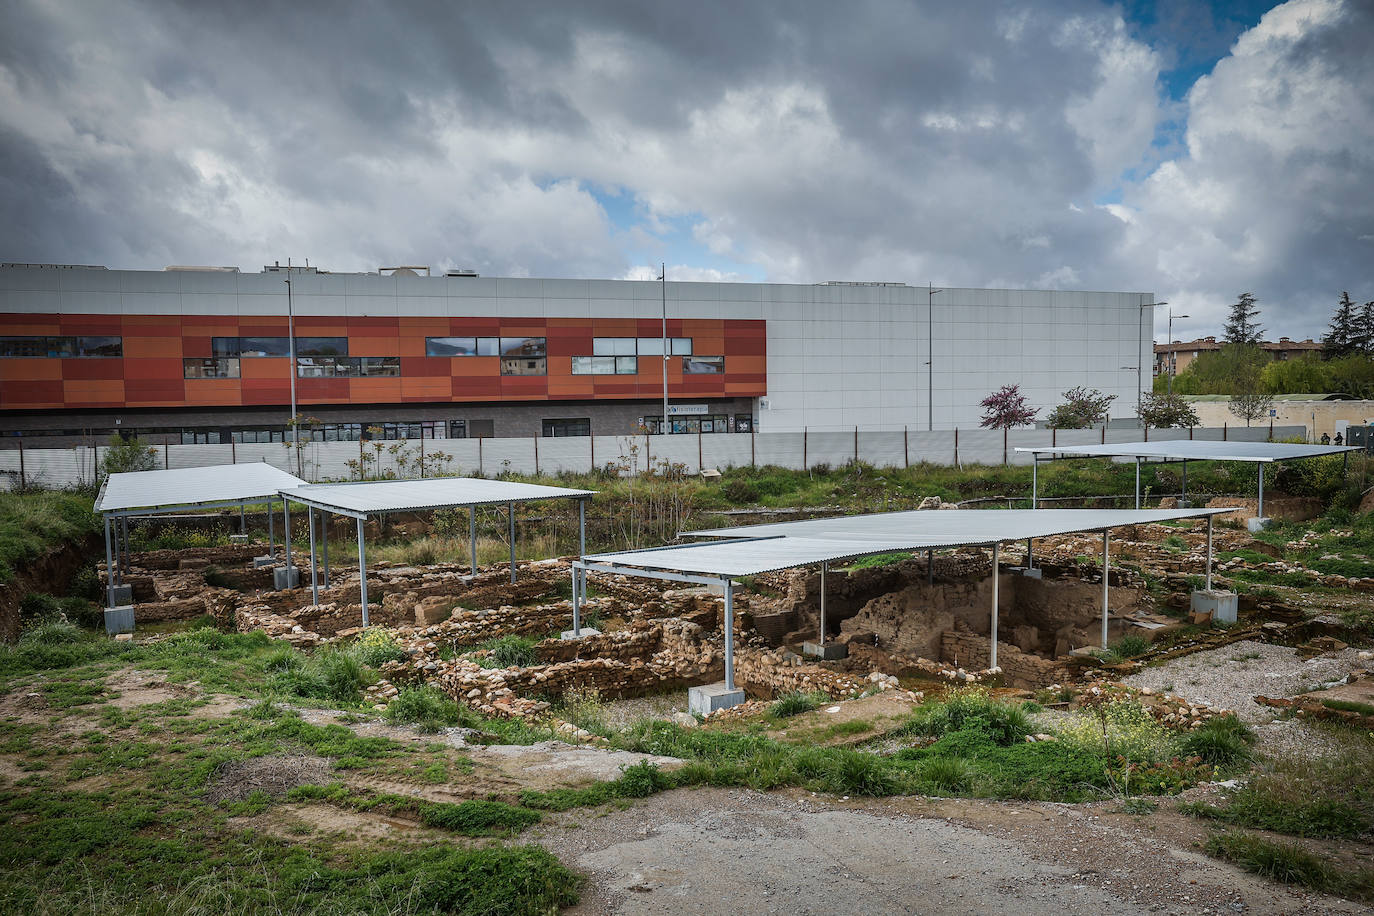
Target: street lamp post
column 663, row 289
column 930, row 348
column 1168, row 345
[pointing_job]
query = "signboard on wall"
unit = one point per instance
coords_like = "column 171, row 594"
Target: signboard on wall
column 688, row 410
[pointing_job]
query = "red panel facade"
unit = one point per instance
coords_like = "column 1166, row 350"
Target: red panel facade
column 151, row 372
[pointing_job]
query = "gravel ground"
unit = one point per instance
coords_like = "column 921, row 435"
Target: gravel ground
column 718, row 851
column 1231, row 676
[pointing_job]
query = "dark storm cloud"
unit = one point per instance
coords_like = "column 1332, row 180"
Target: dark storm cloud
column 964, row 143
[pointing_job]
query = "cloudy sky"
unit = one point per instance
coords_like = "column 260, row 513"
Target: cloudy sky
column 1189, row 150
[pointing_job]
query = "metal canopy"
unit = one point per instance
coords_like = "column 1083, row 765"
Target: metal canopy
column 361, row 500
column 1193, row 450
column 935, row 529
column 150, row 492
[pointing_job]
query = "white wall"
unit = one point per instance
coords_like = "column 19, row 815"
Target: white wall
column 838, row 356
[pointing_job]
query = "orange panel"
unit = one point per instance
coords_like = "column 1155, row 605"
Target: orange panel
column 25, row 326
column 152, row 347
column 522, row 329
column 736, row 364
column 374, row 346
column 428, row 327
column 153, row 369
column 212, row 391
column 583, row 323
column 423, row 388
column 101, row 391
column 265, row 367
column 708, row 346
column 374, row 390
column 30, row 370
column 476, row 366
column 615, row 327
column 413, row 346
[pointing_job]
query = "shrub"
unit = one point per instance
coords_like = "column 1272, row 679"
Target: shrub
column 52, row 633
column 81, row 612
column 950, row 773
column 478, row 818
column 1223, row 741
column 375, row 647
column 791, row 704
column 1131, row 646
column 640, row 780
column 1283, row 862
column 36, row 607
column 509, row 652
column 740, row 491
column 86, row 584
column 972, row 709
column 341, row 674
column 849, row 772
column 425, row 708
column 1119, row 728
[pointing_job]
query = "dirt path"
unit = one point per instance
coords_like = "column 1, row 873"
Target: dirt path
column 712, row 851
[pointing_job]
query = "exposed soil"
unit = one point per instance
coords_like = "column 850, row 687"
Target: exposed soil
column 275, row 774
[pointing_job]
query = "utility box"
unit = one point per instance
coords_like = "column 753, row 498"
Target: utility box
column 260, row 562
column 119, row 620
column 121, row 596
column 826, row 652
column 1221, row 604
column 284, row 577
column 706, row 699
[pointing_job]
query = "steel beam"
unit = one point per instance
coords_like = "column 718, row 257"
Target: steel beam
column 362, row 570
column 996, row 559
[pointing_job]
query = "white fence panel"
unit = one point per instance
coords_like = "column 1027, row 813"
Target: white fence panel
column 981, row 446
column 573, row 454
column 503, row 455
column 885, row 449
column 734, row 450
column 832, row 448
column 198, row 456
column 932, row 446
column 781, row 449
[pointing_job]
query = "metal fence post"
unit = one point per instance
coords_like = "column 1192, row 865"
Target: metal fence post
column 906, row 448
column 21, row 462
column 536, row 455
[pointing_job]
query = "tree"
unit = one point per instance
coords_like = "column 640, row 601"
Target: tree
column 1363, row 339
column 1242, row 327
column 1343, row 335
column 125, row 455
column 1082, row 409
column 1249, row 400
column 1163, row 411
column 1006, row 407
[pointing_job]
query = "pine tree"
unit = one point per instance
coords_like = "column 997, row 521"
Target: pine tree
column 1345, row 331
column 1242, row 327
column 1363, row 338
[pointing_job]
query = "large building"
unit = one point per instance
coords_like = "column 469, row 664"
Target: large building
column 203, row 354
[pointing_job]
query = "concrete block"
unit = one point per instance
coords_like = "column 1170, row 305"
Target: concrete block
column 826, row 652
column 1035, row 572
column 1257, row 524
column 1220, row 604
column 238, row 539
column 260, row 562
column 280, row 578
column 121, row 595
column 119, row 619
column 584, row 632
column 706, row 699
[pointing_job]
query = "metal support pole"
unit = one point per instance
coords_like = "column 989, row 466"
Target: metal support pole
column 271, row 530
column 1106, row 596
column 1185, row 481
column 1259, row 509
column 314, row 579
column 577, row 575
column 996, row 560
column 510, row 513
column 243, row 520
column 1137, row 483
column 930, row 567
column 124, row 533
column 729, row 634
column 472, row 536
column 825, row 566
column 582, row 539
column 286, row 521
column 1030, row 557
column 324, row 536
column 109, row 566
column 1035, row 481
column 1209, row 553
column 362, row 570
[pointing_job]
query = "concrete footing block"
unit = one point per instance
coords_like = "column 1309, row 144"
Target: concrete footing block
column 120, row 596
column 580, row 634
column 119, row 619
column 260, row 562
column 286, row 577
column 826, row 652
column 1034, row 572
column 1257, row 524
column 706, row 699
column 1221, row 604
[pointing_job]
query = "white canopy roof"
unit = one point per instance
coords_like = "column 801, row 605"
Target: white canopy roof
column 183, row 488
column 757, row 549
column 1194, row 450
column 360, row 500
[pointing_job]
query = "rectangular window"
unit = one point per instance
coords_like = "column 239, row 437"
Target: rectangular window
column 653, row 346
column 572, row 426
column 457, row 429
column 379, row 366
column 450, row 346
column 488, row 346
column 315, row 367
column 430, row 429
column 523, row 356
column 613, row 346
column 744, row 423
column 199, row 436
column 224, row 346
column 259, row 435
column 703, row 365
column 210, row 368
column 605, row 365
column 710, row 423
column 264, row 346
column 60, row 347
column 321, row 346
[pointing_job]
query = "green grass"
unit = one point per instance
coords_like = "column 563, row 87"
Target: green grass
column 1223, row 741
column 33, row 523
column 1364, row 709
column 509, row 652
column 1289, row 863
column 793, row 704
column 428, row 710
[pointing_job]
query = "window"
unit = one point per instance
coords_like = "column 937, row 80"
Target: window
column 450, row 346
column 457, row 429
column 276, row 434
column 613, row 346
column 576, row 426
column 348, row 366
column 703, row 365
column 523, row 356
column 224, row 346
column 199, row 436
column 210, row 368
column 706, row 423
column 332, row 432
column 264, row 346
column 321, row 346
column 379, row 366
column 605, row 365
column 430, row 429
column 57, row 347
column 744, row 423
column 640, row 346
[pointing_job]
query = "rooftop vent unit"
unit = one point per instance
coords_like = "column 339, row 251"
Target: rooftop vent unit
column 403, row 270
column 857, row 283
column 197, row 267
column 280, row 268
column 20, row 264
column 462, row 272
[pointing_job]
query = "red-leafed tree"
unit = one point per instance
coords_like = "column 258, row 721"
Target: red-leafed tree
column 1006, row 407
